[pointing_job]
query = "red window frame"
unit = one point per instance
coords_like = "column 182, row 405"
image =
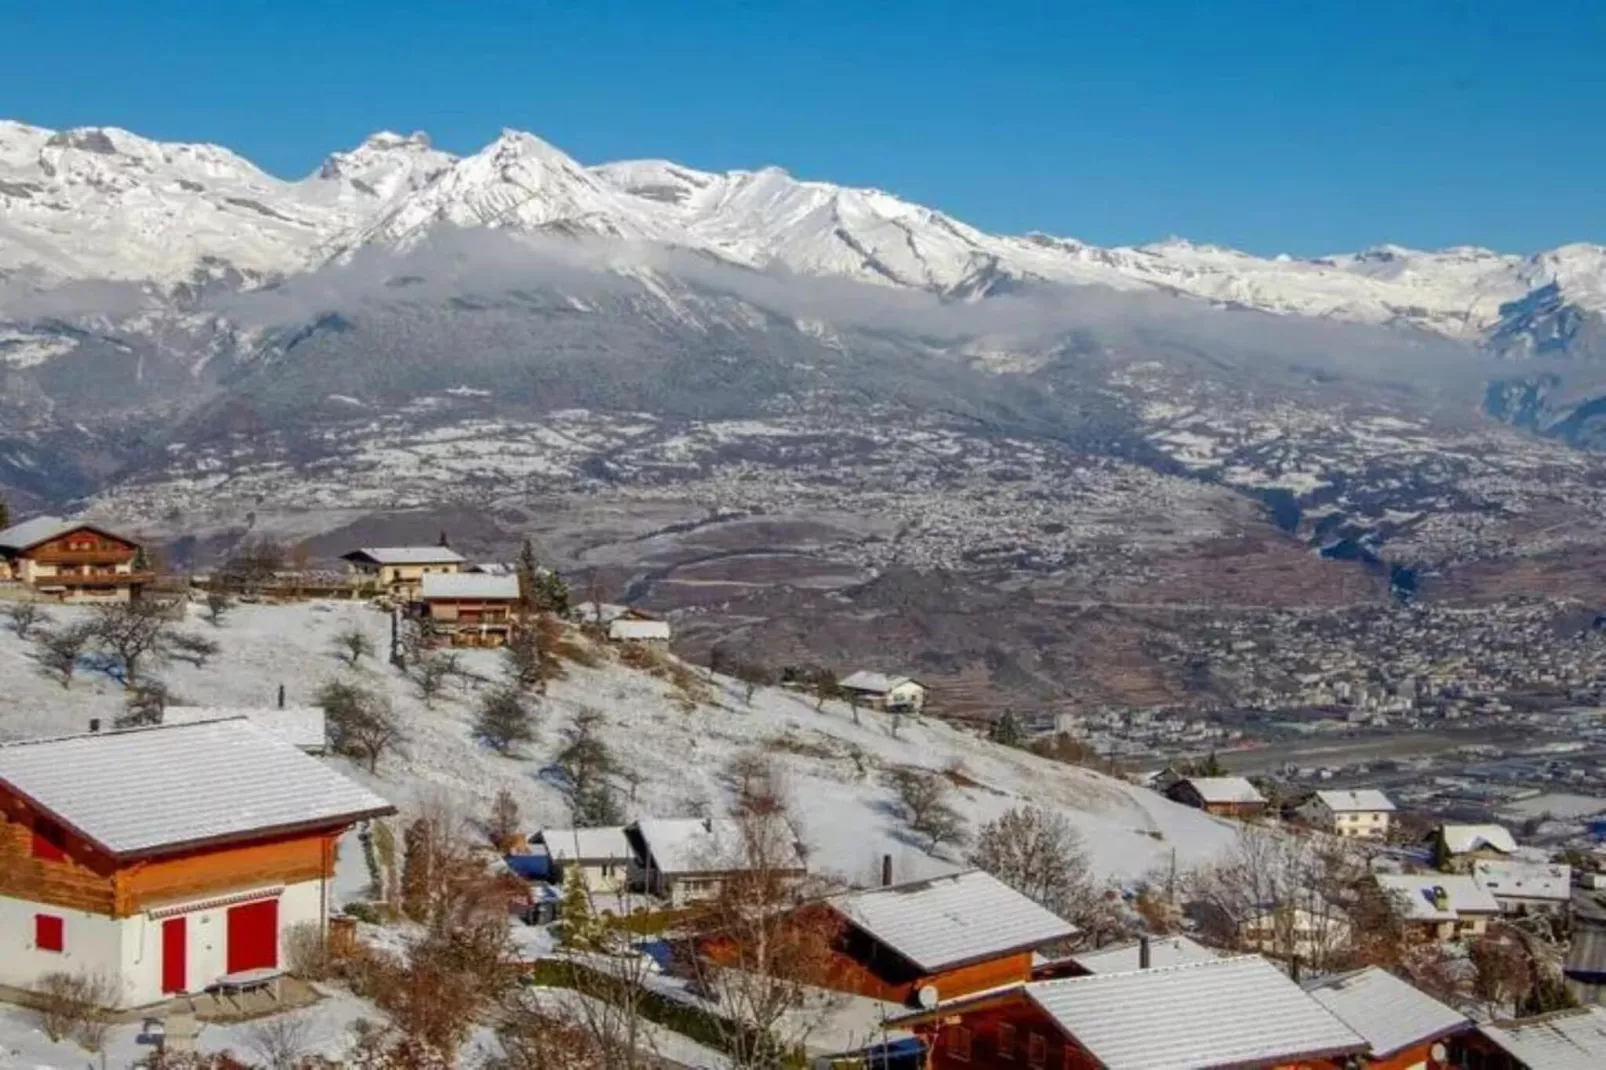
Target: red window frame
column 49, row 933
column 1036, row 1049
column 48, row 842
column 1006, row 1041
column 959, row 1044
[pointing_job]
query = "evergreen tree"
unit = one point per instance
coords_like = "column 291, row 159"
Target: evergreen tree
column 505, row 719
column 581, row 928
column 418, row 855
column 1443, row 860
column 5, row 513
column 1007, row 730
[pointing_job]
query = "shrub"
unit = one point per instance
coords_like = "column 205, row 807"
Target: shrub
column 75, row 1005
column 306, row 951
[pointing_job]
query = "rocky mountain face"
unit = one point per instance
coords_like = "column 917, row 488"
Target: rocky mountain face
column 750, row 397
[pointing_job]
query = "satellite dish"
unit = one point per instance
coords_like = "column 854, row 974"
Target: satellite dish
column 1439, row 1054
column 927, row 996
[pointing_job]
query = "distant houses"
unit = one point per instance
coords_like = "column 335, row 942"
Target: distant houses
column 167, row 859
column 634, row 629
column 1456, row 847
column 1438, row 906
column 1223, row 796
column 895, row 694
column 1526, row 887
column 1358, row 813
column 689, row 859
column 470, row 608
column 70, row 561
column 399, row 571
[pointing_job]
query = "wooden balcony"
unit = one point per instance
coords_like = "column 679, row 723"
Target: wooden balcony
column 109, row 556
column 95, row 579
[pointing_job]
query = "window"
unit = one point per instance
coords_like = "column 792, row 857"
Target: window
column 48, row 842
column 1006, row 1041
column 959, row 1044
column 48, row 934
column 1036, row 1049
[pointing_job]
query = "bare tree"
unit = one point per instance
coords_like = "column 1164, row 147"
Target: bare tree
column 252, row 564
column 133, row 632
column 144, row 706
column 352, row 645
column 281, row 1041
column 25, row 617
column 60, row 650
column 431, row 672
column 502, row 826
column 218, row 605
column 530, row 662
column 1041, row 855
column 362, row 724
column 505, row 720
column 924, row 795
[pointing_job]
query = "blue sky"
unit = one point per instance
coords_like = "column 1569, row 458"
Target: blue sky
column 1291, row 126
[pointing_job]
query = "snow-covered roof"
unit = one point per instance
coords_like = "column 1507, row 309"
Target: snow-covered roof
column 606, row 844
column 1417, row 895
column 152, row 790
column 946, row 921
column 1225, row 789
column 1462, row 839
column 1565, row 1040
column 408, row 555
column 597, row 612
column 874, row 683
column 1163, row 951
column 30, row 533
column 302, row 726
column 1524, row 880
column 1355, row 800
column 704, row 845
column 1387, row 1011
column 469, row 585
column 1225, row 1012
column 625, row 629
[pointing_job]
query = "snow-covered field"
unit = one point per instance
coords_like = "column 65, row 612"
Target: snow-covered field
column 677, row 754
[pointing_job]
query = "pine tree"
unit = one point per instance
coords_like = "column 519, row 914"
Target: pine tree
column 581, row 927
column 5, row 513
column 1443, row 860
column 529, row 571
column 1007, row 730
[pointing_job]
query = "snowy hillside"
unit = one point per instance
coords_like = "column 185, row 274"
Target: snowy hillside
column 833, row 767
column 95, row 203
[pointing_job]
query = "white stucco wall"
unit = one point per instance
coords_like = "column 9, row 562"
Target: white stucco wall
column 130, row 949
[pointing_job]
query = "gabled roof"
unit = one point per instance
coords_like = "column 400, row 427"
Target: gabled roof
column 156, row 790
column 1225, row 789
column 587, row 845
column 303, row 726
column 1416, row 895
column 1565, row 1040
column 1388, row 1012
column 680, row 845
column 947, row 921
column 469, row 585
column 1462, row 839
column 406, row 555
column 1524, row 880
column 1163, row 951
column 30, row 533
column 626, row 630
column 1224, row 1013
column 874, row 683
column 1356, row 800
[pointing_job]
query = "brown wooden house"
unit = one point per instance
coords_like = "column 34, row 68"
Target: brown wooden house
column 1240, row 1013
column 168, row 858
column 1224, row 796
column 70, row 561
column 471, row 608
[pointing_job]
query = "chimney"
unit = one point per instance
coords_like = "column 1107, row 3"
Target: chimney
column 281, row 696
column 94, row 724
column 886, row 871
column 1145, row 958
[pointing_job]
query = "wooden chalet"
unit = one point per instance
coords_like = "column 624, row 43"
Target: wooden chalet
column 1224, row 796
column 1405, row 1028
column 1240, row 1013
column 471, row 608
column 167, row 858
column 935, row 939
column 71, row 561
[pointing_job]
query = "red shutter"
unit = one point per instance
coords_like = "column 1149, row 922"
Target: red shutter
column 175, row 956
column 49, row 933
column 253, row 936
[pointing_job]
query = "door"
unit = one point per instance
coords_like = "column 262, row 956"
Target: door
column 175, row 956
column 253, row 936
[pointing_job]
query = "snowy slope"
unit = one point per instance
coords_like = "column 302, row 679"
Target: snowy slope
column 104, row 203
column 833, row 766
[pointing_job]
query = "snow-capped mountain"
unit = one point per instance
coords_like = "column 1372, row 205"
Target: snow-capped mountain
column 102, row 203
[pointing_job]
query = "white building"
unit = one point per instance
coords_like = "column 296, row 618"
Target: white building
column 1312, row 934
column 895, row 693
column 166, row 859
column 400, row 570
column 1441, row 906
column 687, row 859
column 1526, row 887
column 601, row 855
column 1358, row 813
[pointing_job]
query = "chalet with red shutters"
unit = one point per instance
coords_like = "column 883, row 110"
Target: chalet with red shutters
column 471, row 608
column 1240, row 1013
column 170, row 859
column 938, row 939
column 70, row 561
